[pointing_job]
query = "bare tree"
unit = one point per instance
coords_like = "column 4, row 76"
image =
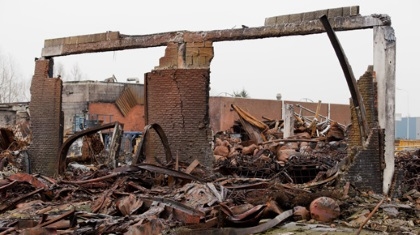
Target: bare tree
column 59, row 70
column 12, row 86
column 76, row 74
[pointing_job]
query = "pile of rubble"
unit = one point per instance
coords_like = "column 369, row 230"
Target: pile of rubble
column 283, row 184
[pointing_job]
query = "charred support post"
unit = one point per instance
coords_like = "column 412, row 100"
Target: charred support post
column 351, row 81
column 115, row 145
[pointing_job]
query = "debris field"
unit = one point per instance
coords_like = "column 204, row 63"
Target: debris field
column 254, row 187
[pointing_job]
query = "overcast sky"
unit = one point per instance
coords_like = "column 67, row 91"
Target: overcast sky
column 300, row 67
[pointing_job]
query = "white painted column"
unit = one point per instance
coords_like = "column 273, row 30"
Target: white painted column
column 289, row 121
column 384, row 50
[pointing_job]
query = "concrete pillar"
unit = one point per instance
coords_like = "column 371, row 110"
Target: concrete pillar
column 384, row 49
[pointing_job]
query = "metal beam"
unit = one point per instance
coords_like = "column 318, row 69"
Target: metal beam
column 351, row 80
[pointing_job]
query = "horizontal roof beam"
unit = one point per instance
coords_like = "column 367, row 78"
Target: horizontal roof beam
column 114, row 41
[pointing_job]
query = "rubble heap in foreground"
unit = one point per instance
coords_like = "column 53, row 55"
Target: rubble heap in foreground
column 253, row 188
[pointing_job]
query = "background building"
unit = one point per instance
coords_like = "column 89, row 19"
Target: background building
column 87, row 103
column 407, row 127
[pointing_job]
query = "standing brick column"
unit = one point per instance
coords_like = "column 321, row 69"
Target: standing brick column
column 46, row 119
column 177, row 100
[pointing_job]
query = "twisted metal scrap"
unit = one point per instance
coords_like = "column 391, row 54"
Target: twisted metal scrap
column 62, row 152
column 140, row 153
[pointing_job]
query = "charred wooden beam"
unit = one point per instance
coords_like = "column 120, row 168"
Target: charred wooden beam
column 114, row 41
column 115, row 146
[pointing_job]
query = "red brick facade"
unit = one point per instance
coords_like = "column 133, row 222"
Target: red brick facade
column 134, row 121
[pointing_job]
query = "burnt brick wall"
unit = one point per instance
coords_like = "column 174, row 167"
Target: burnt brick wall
column 46, row 119
column 365, row 172
column 355, row 139
column 177, row 100
column 365, row 161
column 367, row 88
column 192, row 55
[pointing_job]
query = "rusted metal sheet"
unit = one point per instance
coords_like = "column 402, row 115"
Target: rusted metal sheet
column 24, row 177
column 253, row 126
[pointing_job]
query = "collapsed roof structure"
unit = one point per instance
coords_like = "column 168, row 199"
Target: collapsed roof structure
column 180, row 118
column 185, row 69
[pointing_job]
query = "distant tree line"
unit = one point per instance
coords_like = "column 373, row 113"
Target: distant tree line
column 13, row 86
column 75, row 73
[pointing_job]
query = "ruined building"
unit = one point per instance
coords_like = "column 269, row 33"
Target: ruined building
column 183, row 73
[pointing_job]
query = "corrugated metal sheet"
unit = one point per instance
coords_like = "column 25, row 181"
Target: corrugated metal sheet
column 126, row 101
